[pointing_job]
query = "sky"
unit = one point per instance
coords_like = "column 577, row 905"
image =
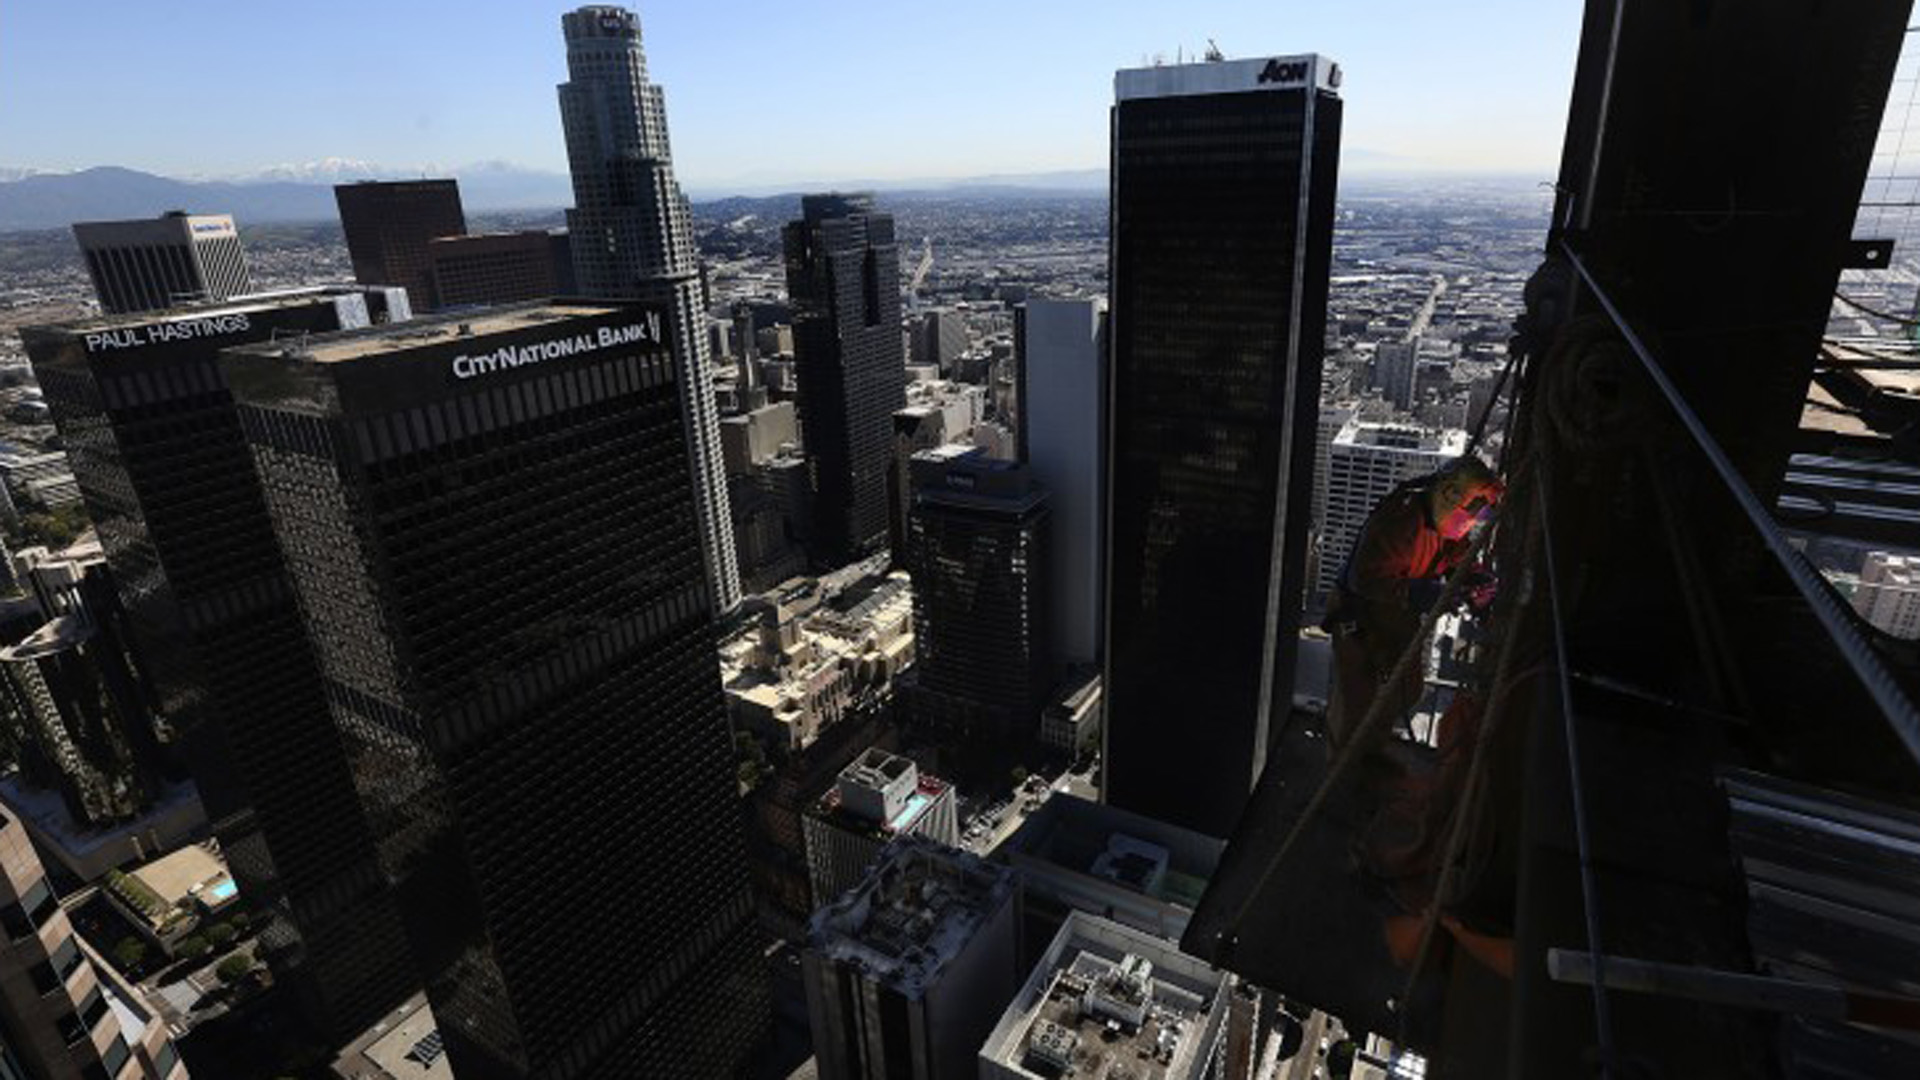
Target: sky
column 758, row 91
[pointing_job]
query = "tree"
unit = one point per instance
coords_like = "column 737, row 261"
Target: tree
column 1019, row 776
column 233, row 968
column 130, row 953
column 221, row 935
column 192, row 947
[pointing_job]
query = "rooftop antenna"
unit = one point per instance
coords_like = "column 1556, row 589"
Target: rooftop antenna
column 1214, row 55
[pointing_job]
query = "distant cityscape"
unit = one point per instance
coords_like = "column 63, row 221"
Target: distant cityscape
column 834, row 634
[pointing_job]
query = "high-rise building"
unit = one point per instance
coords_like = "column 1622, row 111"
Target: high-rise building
column 150, row 429
column 153, row 263
column 978, row 541
column 1109, row 1000
column 63, row 1014
column 488, row 521
column 389, row 225
column 1062, row 350
column 1888, row 595
column 843, row 274
column 938, row 338
column 1396, row 369
column 632, row 235
column 1365, row 463
column 877, row 798
column 906, row 973
column 1223, row 185
column 499, row 268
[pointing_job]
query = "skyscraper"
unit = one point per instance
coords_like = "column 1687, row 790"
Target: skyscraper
column 978, row 539
column 632, row 234
column 388, row 225
column 1062, row 350
column 155, row 263
column 150, row 427
column 500, row 268
column 1223, row 184
column 488, row 522
column 1396, row 368
column 843, row 276
column 62, row 1015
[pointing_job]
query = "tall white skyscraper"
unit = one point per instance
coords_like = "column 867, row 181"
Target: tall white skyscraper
column 156, row 263
column 1062, row 348
column 1366, row 463
column 632, row 236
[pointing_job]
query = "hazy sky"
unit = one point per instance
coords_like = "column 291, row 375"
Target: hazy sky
column 757, row 90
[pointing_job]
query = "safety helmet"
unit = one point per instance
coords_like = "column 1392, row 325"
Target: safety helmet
column 1465, row 493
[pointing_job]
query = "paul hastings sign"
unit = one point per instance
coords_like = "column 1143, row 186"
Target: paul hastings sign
column 508, row 357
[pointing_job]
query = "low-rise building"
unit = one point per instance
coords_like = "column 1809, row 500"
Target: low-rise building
column 404, row 1045
column 171, row 897
column 877, row 798
column 1071, row 721
column 1107, row 1000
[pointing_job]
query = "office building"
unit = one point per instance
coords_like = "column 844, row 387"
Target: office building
column 79, row 717
column 1364, row 464
column 1396, row 370
column 938, row 337
column 154, row 263
column 754, row 438
column 843, row 275
column 64, row 1015
column 879, row 797
column 1108, row 1000
column 389, row 225
column 938, row 413
column 1062, row 351
column 1333, row 420
column 523, row 666
column 1888, row 595
column 499, row 268
column 1223, row 184
column 169, row 482
column 977, row 546
column 632, row 234
column 906, row 973
column 1070, row 723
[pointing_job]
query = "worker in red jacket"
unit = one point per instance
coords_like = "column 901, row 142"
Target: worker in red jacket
column 1413, row 539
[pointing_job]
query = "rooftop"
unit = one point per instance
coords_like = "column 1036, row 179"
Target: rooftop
column 913, row 914
column 403, row 1046
column 440, row 329
column 1165, row 862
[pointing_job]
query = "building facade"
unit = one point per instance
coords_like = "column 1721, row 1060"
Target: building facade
column 1062, row 351
column 978, row 541
column 488, row 520
column 1364, row 464
column 150, row 429
column 389, row 225
column 876, row 798
column 1223, row 185
column 155, row 263
column 631, row 229
column 63, row 1014
column 905, row 974
column 499, row 268
column 1888, row 595
column 843, row 275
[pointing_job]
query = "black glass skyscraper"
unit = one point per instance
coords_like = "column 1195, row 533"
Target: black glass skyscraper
column 1223, row 185
column 488, row 520
column 150, row 430
column 843, row 277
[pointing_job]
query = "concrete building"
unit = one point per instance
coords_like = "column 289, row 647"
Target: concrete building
column 168, row 898
column 154, row 263
column 1333, row 420
column 499, row 268
column 1062, row 350
column 1365, row 463
column 938, row 413
column 938, row 337
column 906, row 973
column 1889, row 593
column 1222, row 239
column 978, row 540
column 43, row 479
column 389, row 225
column 632, row 236
column 64, row 1015
column 1076, row 855
column 754, row 438
column 405, row 1045
column 1071, row 721
column 1106, row 1000
column 1396, row 366
column 879, row 797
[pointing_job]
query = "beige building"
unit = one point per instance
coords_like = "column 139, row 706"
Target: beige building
column 66, row 1015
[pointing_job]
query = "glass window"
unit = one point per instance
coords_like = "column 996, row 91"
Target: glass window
column 44, row 980
column 92, row 1009
column 165, row 1060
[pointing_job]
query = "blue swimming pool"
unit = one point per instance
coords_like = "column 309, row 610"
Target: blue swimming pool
column 221, row 890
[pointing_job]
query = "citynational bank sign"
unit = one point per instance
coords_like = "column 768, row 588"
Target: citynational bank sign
column 646, row 331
